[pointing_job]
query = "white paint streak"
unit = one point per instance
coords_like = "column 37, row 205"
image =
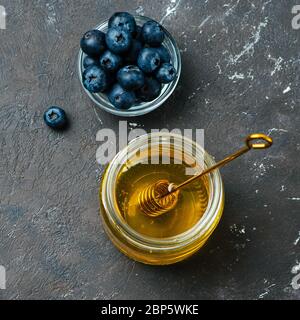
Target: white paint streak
column 203, row 22
column 298, row 239
column 276, row 130
column 249, row 46
column 230, row 10
column 277, row 66
column 51, row 18
column 286, row 90
column 235, row 230
column 97, row 116
column 242, row 230
column 140, row 10
column 267, row 291
column 250, row 74
column 171, row 9
column 283, row 188
column 265, row 4
column 296, row 268
column 252, row 114
column 192, row 96
column 218, row 66
column 236, row 75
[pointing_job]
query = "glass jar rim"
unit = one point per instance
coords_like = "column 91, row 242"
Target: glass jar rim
column 108, row 188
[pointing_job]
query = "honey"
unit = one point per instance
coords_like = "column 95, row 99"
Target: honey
column 177, row 233
column 191, row 205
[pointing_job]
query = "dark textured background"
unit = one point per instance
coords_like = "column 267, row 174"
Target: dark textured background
column 241, row 67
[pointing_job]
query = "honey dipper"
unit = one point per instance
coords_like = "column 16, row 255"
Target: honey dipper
column 162, row 196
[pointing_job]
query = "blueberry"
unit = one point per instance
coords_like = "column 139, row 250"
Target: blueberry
column 133, row 53
column 123, row 20
column 93, row 43
column 118, row 41
column 148, row 60
column 55, row 117
column 163, row 54
column 96, row 79
column 150, row 90
column 90, row 61
column 166, row 73
column 121, row 98
column 110, row 61
column 153, row 33
column 137, row 35
column 131, row 77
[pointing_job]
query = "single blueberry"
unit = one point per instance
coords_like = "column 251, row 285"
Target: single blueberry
column 110, row 61
column 90, row 61
column 153, row 33
column 118, row 40
column 96, row 79
column 55, row 117
column 166, row 73
column 163, row 54
column 137, row 35
column 123, row 20
column 150, row 90
column 148, row 60
column 133, row 53
column 93, row 43
column 131, row 77
column 121, row 98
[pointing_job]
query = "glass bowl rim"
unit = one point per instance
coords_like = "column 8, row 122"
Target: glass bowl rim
column 148, row 106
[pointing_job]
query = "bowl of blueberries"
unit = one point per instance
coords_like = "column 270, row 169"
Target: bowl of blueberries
column 129, row 65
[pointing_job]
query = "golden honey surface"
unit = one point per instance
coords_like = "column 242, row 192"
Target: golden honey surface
column 192, row 201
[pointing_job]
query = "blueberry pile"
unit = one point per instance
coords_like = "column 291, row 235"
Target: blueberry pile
column 128, row 63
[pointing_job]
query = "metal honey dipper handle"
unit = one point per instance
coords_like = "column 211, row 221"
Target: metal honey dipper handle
column 162, row 196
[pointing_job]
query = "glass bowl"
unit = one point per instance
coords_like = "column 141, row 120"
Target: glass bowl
column 101, row 100
column 160, row 251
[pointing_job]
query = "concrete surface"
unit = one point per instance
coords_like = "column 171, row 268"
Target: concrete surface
column 241, row 66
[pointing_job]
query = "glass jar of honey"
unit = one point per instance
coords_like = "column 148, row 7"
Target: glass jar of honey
column 178, row 233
